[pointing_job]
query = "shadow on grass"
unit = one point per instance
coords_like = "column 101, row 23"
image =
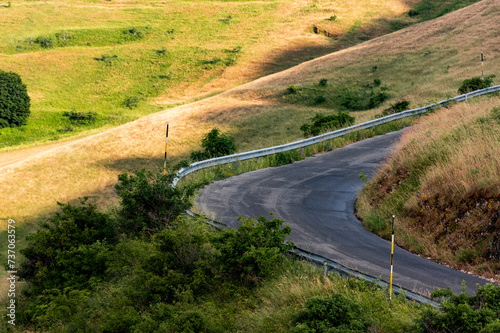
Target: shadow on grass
column 425, row 10
column 129, row 165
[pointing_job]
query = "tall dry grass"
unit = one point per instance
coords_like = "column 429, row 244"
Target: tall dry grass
column 443, row 183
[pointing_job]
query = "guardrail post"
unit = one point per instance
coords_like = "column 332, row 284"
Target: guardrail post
column 392, row 262
column 165, row 162
column 482, row 67
column 325, row 269
column 302, row 152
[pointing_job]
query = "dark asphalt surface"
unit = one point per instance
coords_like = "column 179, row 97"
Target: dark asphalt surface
column 316, row 198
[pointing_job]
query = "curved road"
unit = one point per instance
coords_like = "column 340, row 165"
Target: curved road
column 316, row 198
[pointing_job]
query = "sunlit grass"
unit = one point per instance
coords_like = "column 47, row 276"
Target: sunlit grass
column 442, row 184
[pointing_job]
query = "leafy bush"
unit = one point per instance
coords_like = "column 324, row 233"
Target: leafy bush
column 412, row 12
column 475, row 83
column 80, row 118
column 291, row 90
column 376, row 99
column 214, row 144
column 131, row 102
column 180, row 165
column 320, row 99
column 396, row 108
column 252, row 252
column 134, row 33
column 45, row 42
column 464, row 313
column 356, row 98
column 323, row 82
column 14, row 100
column 336, row 313
column 71, row 248
column 148, row 202
column 322, row 123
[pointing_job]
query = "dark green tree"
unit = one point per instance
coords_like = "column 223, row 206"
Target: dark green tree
column 148, row 202
column 254, row 250
column 70, row 248
column 214, row 144
column 14, row 100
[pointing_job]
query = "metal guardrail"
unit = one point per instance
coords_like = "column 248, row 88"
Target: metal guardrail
column 309, row 256
column 343, row 271
column 332, row 266
column 323, row 137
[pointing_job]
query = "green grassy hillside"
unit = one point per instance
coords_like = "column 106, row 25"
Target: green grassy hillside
column 115, row 61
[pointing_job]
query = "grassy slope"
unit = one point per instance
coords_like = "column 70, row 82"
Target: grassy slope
column 443, row 185
column 166, row 52
column 411, row 62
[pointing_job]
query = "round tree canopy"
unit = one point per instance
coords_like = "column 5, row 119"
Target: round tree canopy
column 14, row 100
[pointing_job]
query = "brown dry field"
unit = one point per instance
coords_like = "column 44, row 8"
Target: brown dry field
column 32, row 184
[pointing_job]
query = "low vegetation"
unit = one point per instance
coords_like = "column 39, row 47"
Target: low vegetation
column 322, row 123
column 442, row 184
column 351, row 97
column 87, row 269
column 396, row 108
column 475, row 83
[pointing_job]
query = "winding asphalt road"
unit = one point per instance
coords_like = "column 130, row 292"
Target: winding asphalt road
column 316, row 198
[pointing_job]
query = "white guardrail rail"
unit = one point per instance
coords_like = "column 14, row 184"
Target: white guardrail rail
column 323, row 137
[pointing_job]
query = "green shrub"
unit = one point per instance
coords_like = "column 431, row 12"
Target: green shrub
column 322, row 123
column 286, row 157
column 45, row 42
column 336, row 313
column 291, row 90
column 464, row 313
column 475, row 83
column 253, row 251
column 412, row 12
column 131, row 102
column 134, row 33
column 180, row 165
column 396, row 108
column 376, row 99
column 214, row 144
column 198, row 156
column 319, row 100
column 323, row 82
column 80, row 118
column 148, row 202
column 71, row 247
column 14, row 100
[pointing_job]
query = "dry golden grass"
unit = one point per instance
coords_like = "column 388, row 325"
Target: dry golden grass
column 455, row 155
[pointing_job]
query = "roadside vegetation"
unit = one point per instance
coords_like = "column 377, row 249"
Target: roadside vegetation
column 147, row 267
column 443, row 186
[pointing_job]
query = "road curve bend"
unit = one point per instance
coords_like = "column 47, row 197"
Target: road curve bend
column 316, row 199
